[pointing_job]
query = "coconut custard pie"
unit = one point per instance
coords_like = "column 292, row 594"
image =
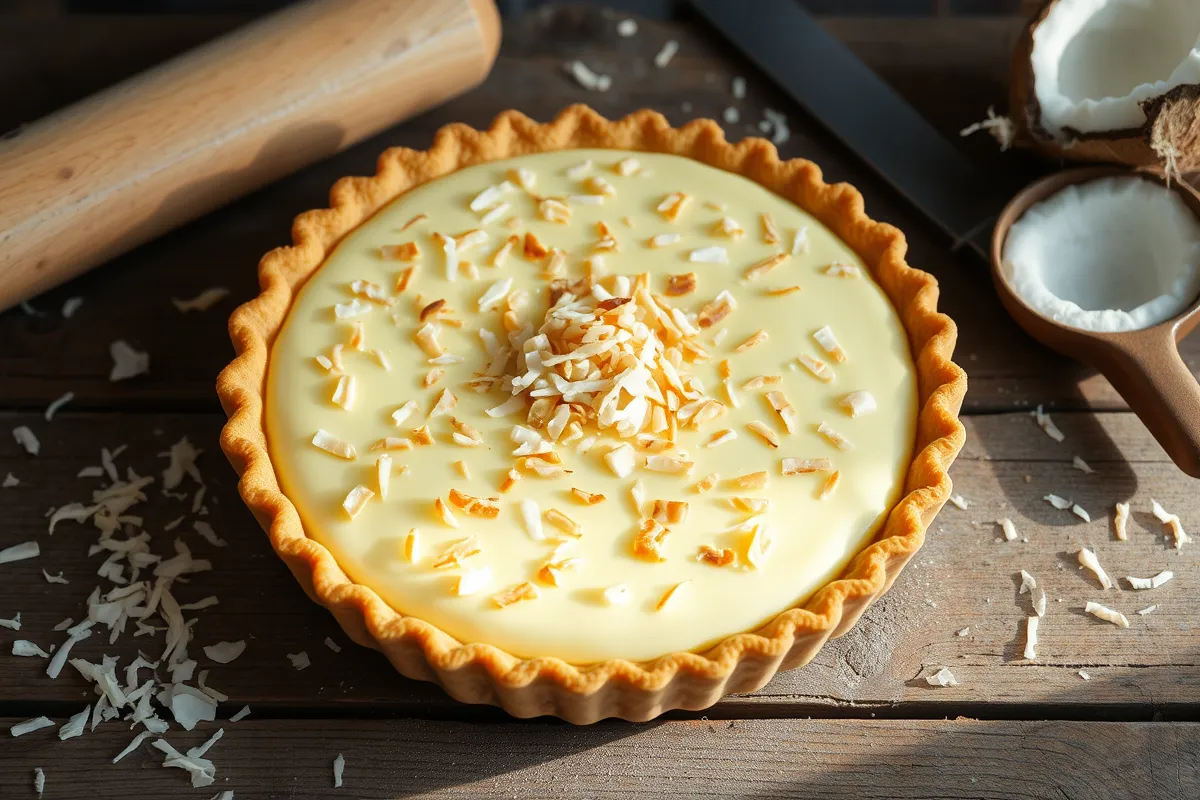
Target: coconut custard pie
column 593, row 419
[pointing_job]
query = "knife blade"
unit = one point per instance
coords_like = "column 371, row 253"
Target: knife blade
column 846, row 97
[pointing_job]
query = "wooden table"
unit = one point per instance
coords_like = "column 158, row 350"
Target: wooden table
column 858, row 722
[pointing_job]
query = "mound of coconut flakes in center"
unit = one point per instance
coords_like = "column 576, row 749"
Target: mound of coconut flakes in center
column 608, row 359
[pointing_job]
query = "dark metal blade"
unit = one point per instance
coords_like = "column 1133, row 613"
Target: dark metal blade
column 866, row 114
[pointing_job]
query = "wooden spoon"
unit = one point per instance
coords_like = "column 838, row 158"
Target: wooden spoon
column 1144, row 365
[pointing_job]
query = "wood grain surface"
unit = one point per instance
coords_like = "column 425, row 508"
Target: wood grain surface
column 859, row 722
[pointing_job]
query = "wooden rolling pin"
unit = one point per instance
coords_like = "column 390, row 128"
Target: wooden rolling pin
column 104, row 175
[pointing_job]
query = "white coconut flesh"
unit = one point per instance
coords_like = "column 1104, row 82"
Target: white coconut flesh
column 1114, row 254
column 1095, row 61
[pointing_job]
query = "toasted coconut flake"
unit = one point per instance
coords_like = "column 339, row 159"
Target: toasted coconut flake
column 829, row 343
column 370, row 291
column 728, row 226
column 709, row 255
column 332, row 444
column 804, row 466
column 717, row 557
column 721, row 437
column 1120, row 521
column 393, row 443
column 834, row 438
column 799, row 241
column 383, row 474
column 840, row 269
column 533, row 249
column 671, row 597
column 426, row 338
column 859, row 403
column 404, row 277
column 830, row 484
column 680, row 285
column 356, row 500
column 597, row 184
column 751, row 505
column 1088, row 560
column 552, row 210
column 345, row 392
column 443, row 513
column 412, row 546
column 618, row 595
column 552, row 571
column 472, row 581
column 491, row 196
column 671, row 464
column 510, row 480
column 713, row 312
column 515, row 594
column 486, row 507
column 564, row 523
column 587, row 498
column 400, row 252
column 770, row 233
column 503, row 251
column 401, row 414
column 418, row 218
column 782, row 290
column 649, row 541
column 523, row 177
column 350, row 309
column 1107, row 614
column 620, row 460
column 637, row 493
column 752, row 481
column 757, row 338
column 787, row 414
column 764, row 432
column 457, row 552
column 495, row 294
column 531, row 516
column 760, row 381
column 673, row 205
column 432, row 377
column 446, row 402
column 431, row 311
column 465, row 436
column 627, row 166
column 819, row 369
column 761, row 268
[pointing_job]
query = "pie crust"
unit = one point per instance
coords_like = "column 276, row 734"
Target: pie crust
column 482, row 673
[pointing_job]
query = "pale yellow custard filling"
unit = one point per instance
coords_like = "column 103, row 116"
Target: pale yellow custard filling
column 607, row 592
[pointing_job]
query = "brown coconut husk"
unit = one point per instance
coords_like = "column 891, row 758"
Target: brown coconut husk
column 1169, row 141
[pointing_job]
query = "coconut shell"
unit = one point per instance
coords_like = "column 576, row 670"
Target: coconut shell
column 1168, row 141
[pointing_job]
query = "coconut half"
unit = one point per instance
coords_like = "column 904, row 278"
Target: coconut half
column 1111, row 80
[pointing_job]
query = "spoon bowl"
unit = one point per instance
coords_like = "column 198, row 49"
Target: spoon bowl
column 1143, row 365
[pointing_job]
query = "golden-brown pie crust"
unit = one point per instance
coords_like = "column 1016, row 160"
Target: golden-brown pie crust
column 481, row 673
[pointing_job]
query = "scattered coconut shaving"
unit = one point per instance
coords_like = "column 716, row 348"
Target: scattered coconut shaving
column 1046, row 424
column 959, row 502
column 127, row 362
column 203, row 301
column 999, row 128
column 1172, row 522
column 668, row 51
column 55, row 406
column 27, row 439
column 1150, row 583
column 1008, row 528
column 943, row 677
column 1088, row 560
column 1031, row 637
column 1107, row 614
column 1120, row 521
column 585, row 77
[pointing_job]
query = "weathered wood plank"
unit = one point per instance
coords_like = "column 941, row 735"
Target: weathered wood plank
column 851, row 759
column 951, row 69
column 1153, row 666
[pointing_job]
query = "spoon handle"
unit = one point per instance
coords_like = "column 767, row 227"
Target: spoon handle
column 1147, row 371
